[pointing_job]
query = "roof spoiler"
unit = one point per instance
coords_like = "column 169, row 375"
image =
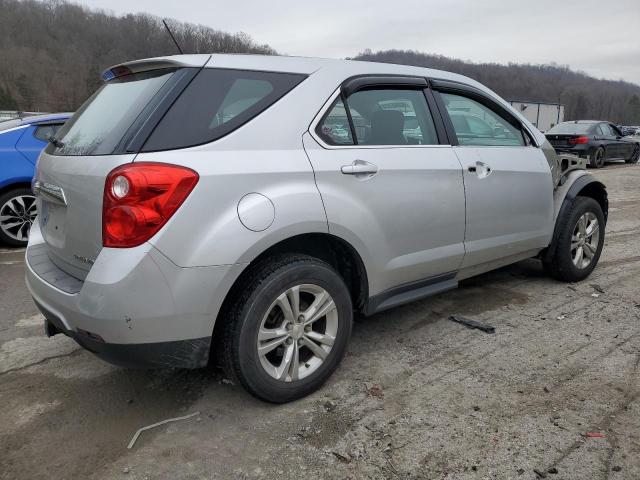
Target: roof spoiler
column 147, row 64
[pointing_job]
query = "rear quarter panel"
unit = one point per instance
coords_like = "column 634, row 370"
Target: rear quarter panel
column 206, row 230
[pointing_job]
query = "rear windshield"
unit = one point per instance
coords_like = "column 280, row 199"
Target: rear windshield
column 570, row 128
column 217, row 102
column 100, row 124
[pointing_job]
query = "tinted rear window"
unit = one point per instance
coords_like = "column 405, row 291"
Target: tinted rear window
column 570, row 128
column 101, row 123
column 217, row 102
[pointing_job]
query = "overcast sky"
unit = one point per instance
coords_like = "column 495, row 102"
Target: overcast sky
column 601, row 38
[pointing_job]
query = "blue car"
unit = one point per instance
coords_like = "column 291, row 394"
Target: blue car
column 21, row 141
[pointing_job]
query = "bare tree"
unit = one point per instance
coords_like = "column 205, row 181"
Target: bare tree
column 584, row 97
column 52, row 52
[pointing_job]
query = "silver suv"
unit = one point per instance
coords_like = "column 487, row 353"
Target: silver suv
column 246, row 206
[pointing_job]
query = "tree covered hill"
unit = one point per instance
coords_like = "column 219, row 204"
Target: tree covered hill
column 52, row 53
column 584, row 97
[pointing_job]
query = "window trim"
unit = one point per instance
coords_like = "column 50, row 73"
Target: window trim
column 367, row 81
column 462, row 89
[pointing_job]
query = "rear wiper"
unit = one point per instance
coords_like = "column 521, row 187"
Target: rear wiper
column 57, row 143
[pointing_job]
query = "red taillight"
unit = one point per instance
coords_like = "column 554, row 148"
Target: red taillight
column 139, row 198
column 578, row 140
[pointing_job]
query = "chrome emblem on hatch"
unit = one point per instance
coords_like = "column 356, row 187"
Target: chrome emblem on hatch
column 50, row 192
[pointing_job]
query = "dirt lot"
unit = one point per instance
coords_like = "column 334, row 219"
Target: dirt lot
column 452, row 403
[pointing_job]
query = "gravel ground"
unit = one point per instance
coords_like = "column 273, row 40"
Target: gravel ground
column 555, row 390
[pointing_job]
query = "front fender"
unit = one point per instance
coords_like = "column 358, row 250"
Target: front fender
column 576, row 183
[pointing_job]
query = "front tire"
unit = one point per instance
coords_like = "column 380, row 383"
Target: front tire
column 580, row 241
column 287, row 329
column 17, row 213
column 635, row 156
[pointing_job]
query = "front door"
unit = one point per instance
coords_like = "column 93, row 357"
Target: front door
column 389, row 186
column 507, row 180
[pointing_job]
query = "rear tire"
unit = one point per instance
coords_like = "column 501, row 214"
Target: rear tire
column 579, row 244
column 597, row 161
column 17, row 213
column 273, row 342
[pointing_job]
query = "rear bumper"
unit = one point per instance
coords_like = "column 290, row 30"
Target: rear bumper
column 135, row 307
column 179, row 354
column 584, row 151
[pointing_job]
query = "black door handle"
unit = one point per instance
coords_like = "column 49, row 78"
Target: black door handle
column 472, row 168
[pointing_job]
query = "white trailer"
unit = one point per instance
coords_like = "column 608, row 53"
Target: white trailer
column 543, row 115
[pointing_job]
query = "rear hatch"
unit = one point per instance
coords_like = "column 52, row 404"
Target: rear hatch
column 105, row 132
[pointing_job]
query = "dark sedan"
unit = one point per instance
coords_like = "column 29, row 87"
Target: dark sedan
column 597, row 141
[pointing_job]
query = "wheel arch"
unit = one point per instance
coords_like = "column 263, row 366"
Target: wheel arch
column 15, row 184
column 580, row 185
column 332, row 249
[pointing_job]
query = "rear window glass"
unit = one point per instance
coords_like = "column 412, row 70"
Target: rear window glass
column 217, row 102
column 570, row 128
column 100, row 124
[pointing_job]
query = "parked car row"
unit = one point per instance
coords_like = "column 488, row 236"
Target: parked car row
column 21, row 141
column 597, row 141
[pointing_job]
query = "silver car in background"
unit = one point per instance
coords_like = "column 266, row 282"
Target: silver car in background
column 240, row 209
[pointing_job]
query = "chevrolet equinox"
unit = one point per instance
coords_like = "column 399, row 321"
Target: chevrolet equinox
column 241, row 208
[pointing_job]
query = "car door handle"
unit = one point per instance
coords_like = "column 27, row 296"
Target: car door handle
column 360, row 168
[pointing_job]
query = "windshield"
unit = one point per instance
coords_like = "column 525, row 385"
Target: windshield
column 571, row 128
column 101, row 123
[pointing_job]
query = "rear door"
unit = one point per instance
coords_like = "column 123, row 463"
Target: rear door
column 507, row 180
column 390, row 184
column 607, row 137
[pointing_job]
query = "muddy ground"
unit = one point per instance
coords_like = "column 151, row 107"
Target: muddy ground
column 452, row 403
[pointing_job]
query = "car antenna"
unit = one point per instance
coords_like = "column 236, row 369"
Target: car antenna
column 172, row 37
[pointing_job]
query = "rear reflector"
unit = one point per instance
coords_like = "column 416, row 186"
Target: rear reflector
column 578, row 140
column 139, row 198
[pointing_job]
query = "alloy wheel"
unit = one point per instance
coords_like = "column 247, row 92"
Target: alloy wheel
column 297, row 333
column 584, row 240
column 17, row 215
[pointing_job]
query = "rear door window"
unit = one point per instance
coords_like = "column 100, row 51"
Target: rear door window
column 335, row 129
column 476, row 124
column 606, row 130
column 217, row 102
column 380, row 117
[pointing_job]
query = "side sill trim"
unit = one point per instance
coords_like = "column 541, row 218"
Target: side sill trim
column 410, row 292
